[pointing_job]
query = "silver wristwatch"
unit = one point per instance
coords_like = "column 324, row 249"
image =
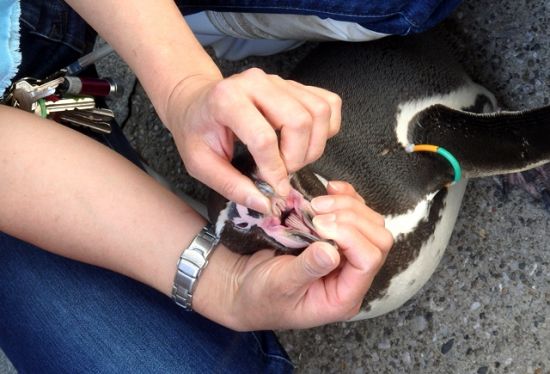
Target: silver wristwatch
column 190, row 265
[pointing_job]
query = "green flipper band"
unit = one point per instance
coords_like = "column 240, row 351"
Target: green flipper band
column 441, row 151
column 453, row 161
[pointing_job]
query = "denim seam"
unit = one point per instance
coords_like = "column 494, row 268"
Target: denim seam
column 408, row 20
column 277, row 357
column 266, row 9
column 263, row 8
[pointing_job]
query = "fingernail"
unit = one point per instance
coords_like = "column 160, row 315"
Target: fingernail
column 323, row 258
column 258, row 203
column 326, row 222
column 337, row 185
column 322, row 203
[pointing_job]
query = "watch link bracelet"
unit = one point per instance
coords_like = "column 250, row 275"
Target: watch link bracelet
column 190, row 265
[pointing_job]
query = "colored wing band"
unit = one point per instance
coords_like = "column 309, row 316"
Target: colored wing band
column 441, row 151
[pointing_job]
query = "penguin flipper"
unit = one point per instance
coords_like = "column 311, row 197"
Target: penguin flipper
column 486, row 144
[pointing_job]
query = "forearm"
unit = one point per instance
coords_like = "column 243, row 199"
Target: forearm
column 72, row 196
column 153, row 38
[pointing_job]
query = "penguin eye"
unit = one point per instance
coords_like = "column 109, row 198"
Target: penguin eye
column 242, row 225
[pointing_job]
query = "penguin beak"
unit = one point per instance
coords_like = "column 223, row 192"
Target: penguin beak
column 288, row 228
column 291, row 220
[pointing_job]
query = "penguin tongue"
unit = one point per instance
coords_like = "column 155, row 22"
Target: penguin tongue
column 292, row 218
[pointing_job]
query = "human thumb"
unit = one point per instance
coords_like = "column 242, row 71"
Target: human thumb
column 316, row 261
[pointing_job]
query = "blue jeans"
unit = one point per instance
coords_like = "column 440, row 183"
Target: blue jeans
column 51, row 26
column 62, row 316
column 397, row 17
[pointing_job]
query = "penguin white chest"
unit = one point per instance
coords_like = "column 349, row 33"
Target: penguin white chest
column 408, row 282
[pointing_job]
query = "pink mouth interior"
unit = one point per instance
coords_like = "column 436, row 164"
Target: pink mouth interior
column 289, row 224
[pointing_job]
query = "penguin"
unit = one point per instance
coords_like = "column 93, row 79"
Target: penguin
column 397, row 92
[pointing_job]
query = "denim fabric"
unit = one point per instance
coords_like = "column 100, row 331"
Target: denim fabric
column 398, row 17
column 52, row 36
column 62, row 316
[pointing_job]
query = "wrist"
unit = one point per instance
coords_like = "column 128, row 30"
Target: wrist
column 192, row 261
column 183, row 95
column 216, row 289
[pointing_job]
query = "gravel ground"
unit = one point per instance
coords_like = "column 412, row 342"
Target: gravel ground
column 484, row 310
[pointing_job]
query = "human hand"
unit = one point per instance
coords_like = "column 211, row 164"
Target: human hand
column 205, row 114
column 321, row 285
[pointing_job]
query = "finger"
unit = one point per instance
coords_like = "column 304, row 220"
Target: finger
column 284, row 109
column 316, row 261
column 330, row 203
column 343, row 188
column 251, row 127
column 320, row 112
column 335, row 103
column 375, row 233
column 363, row 260
column 221, row 176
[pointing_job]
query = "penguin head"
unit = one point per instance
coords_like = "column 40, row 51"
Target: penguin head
column 287, row 229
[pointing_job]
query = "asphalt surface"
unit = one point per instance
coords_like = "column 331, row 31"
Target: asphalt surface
column 485, row 308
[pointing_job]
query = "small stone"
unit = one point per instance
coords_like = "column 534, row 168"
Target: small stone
column 445, row 348
column 419, row 323
column 482, row 233
column 483, row 370
column 475, row 306
column 406, row 357
column 384, row 344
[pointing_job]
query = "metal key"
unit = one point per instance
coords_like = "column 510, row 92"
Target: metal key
column 56, row 104
column 9, row 99
column 95, row 119
column 27, row 91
